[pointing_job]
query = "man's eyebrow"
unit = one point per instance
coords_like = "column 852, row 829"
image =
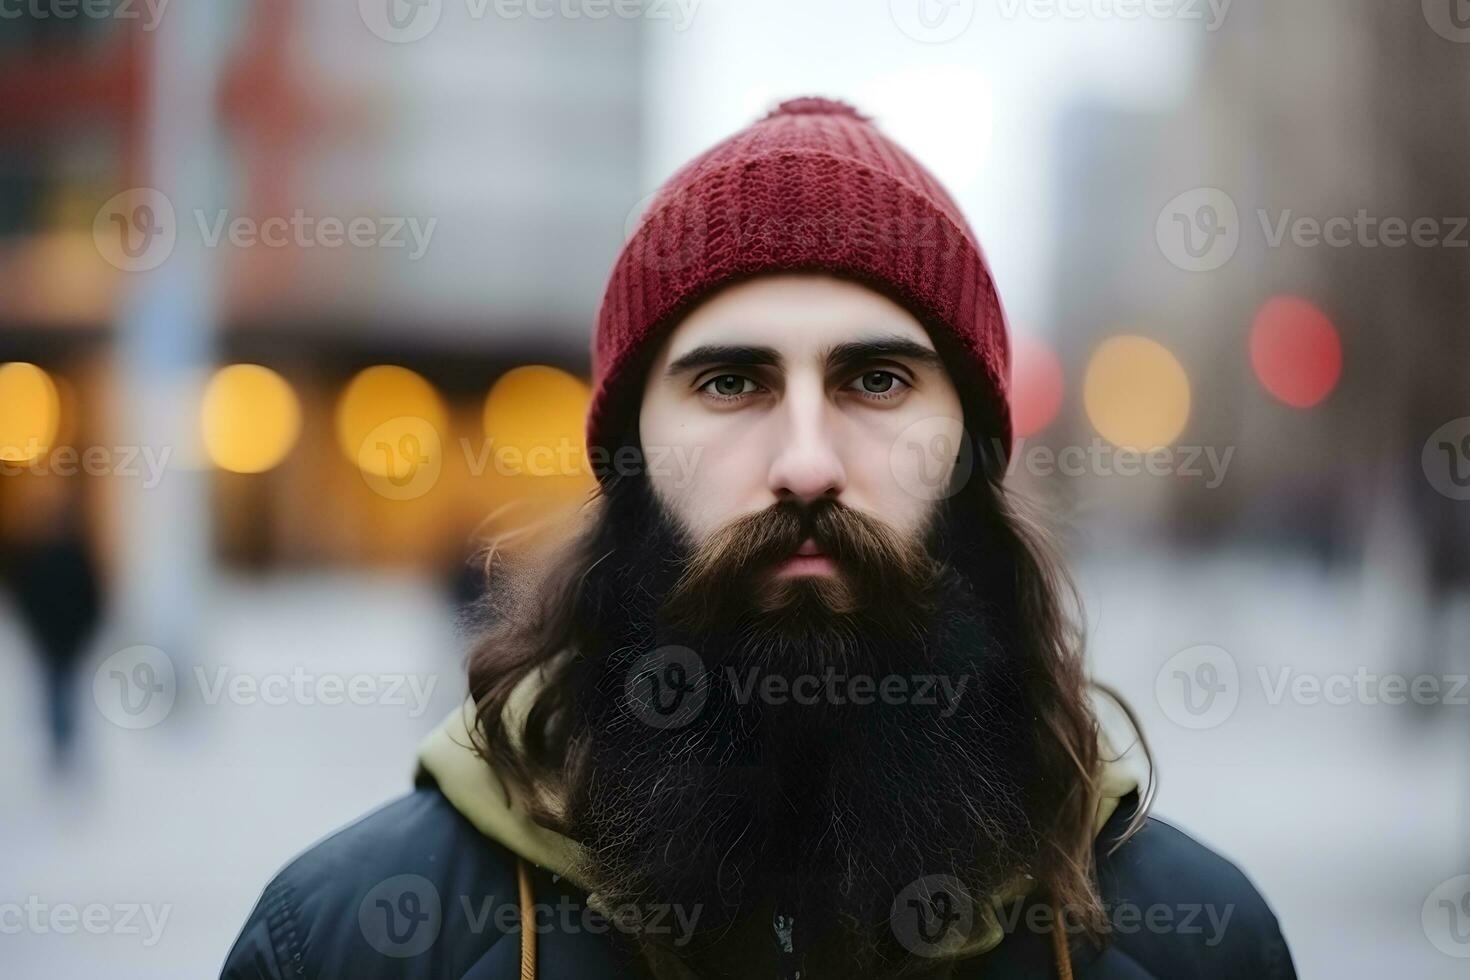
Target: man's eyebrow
column 857, row 352
column 841, row 356
column 734, row 355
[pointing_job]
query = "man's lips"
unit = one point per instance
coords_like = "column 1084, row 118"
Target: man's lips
column 808, row 560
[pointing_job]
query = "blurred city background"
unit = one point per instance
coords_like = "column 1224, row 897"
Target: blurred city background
column 295, row 301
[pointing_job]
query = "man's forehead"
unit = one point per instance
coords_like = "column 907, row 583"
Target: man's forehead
column 799, row 317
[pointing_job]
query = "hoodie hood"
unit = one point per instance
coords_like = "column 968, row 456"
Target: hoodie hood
column 479, row 794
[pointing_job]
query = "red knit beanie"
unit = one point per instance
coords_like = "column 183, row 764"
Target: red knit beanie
column 814, row 186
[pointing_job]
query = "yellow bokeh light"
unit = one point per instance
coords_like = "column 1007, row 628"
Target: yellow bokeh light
column 536, row 451
column 1136, row 393
column 30, row 412
column 534, row 418
column 249, row 419
column 391, row 421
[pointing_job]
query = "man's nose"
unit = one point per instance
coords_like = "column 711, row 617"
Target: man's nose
column 807, row 464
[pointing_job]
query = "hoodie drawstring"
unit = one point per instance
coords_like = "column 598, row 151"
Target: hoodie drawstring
column 1059, row 945
column 528, row 922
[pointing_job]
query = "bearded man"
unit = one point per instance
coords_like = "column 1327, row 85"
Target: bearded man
column 812, row 706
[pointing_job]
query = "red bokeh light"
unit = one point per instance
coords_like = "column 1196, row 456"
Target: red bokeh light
column 1295, row 351
column 1036, row 386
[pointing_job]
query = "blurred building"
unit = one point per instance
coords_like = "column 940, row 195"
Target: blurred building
column 491, row 174
column 1311, row 110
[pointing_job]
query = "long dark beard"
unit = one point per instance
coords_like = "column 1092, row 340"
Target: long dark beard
column 698, row 784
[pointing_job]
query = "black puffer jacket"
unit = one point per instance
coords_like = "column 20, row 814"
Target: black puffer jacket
column 414, row 890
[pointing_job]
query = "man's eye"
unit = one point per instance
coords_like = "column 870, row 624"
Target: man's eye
column 728, row 385
column 878, row 383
